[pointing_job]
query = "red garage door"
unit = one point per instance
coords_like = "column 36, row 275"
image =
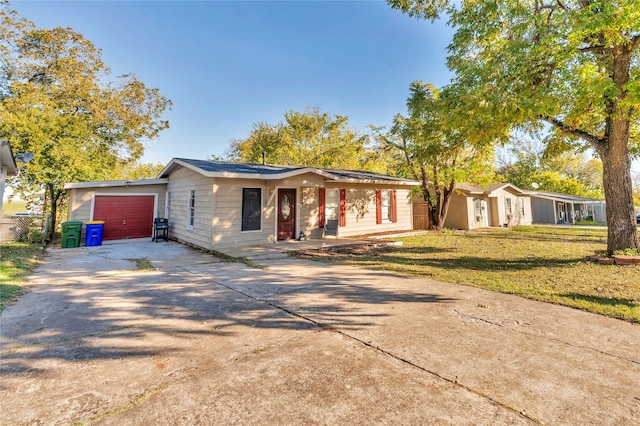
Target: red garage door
column 129, row 216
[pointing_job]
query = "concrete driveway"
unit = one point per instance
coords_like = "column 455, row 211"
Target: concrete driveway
column 198, row 341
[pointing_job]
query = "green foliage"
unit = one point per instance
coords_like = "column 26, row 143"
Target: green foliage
column 566, row 171
column 627, row 252
column 572, row 64
column 132, row 170
column 54, row 103
column 436, row 147
column 310, row 138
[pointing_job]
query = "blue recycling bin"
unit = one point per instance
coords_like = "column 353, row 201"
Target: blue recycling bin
column 94, row 232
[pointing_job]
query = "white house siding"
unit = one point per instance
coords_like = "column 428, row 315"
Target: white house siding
column 310, row 212
column 460, row 212
column 499, row 211
column 471, row 214
column 361, row 210
column 81, row 198
column 227, row 218
column 181, row 182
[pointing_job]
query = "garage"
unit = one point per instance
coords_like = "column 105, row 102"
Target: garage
column 125, row 216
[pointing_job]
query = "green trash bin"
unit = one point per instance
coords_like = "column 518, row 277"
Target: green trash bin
column 71, row 231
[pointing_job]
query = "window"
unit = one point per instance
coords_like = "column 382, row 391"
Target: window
column 251, row 209
column 385, row 206
column 477, row 207
column 332, row 204
column 191, row 212
column 507, row 206
column 521, row 206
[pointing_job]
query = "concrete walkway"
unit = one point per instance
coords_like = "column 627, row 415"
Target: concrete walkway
column 198, row 341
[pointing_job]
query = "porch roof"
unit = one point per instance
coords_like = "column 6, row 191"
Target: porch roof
column 565, row 198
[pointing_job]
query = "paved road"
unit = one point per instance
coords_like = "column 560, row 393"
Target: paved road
column 198, row 341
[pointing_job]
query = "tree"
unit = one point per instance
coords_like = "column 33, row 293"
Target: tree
column 568, row 172
column 310, row 138
column 435, row 148
column 132, row 170
column 573, row 64
column 54, row 104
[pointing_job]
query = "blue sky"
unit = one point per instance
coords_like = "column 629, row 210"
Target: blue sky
column 227, row 65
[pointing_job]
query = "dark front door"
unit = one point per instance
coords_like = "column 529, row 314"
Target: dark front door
column 286, row 214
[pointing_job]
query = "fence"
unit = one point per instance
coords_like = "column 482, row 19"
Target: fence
column 421, row 215
column 22, row 228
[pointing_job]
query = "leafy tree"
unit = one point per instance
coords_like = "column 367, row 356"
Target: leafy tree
column 436, row 148
column 636, row 192
column 573, row 64
column 132, row 170
column 310, row 138
column 53, row 103
column 568, row 172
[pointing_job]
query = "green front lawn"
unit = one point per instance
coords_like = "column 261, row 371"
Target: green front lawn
column 17, row 260
column 541, row 263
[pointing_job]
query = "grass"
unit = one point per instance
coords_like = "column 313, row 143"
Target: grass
column 13, row 207
column 542, row 263
column 17, row 260
column 142, row 264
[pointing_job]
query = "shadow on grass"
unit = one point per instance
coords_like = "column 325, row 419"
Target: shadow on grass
column 411, row 256
column 548, row 237
column 604, row 301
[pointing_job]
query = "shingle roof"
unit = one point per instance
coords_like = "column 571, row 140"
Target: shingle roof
column 270, row 171
column 565, row 197
column 214, row 166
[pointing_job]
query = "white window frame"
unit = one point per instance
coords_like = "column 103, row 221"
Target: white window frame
column 385, row 205
column 332, row 204
column 507, row 207
column 191, row 209
column 521, row 206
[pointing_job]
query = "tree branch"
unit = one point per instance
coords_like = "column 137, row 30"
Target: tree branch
column 593, row 140
column 599, row 49
column 635, row 42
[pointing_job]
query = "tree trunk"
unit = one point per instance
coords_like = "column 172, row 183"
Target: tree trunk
column 618, row 189
column 616, row 163
column 53, row 199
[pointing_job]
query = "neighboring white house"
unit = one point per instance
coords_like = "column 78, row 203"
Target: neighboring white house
column 218, row 205
column 8, row 167
column 554, row 208
column 500, row 204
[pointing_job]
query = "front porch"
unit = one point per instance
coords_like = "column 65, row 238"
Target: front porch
column 282, row 248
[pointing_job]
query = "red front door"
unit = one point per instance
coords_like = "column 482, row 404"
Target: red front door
column 286, row 214
column 128, row 216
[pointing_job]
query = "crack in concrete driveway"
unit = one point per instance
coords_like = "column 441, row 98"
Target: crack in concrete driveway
column 205, row 342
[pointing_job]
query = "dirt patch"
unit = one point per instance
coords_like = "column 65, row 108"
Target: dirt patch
column 374, row 249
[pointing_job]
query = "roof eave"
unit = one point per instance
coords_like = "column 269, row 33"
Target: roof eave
column 7, row 159
column 115, row 183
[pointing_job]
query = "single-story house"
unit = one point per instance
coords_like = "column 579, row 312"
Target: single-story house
column 217, row 205
column 500, row 204
column 8, row 167
column 553, row 208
